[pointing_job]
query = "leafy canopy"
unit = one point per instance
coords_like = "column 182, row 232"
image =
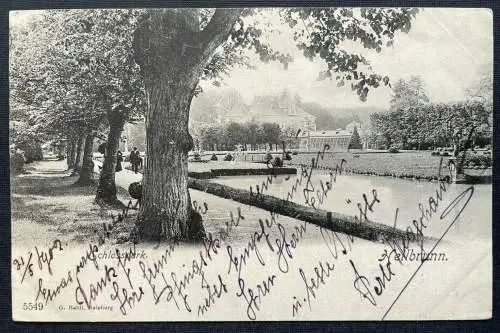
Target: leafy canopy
column 70, row 68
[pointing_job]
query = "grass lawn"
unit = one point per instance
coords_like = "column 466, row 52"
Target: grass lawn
column 45, row 205
column 405, row 164
column 409, row 164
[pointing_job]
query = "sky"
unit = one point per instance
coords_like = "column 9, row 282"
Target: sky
column 448, row 48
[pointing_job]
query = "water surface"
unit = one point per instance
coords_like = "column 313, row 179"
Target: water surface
column 393, row 193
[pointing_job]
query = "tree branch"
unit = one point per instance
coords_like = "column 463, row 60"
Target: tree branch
column 218, row 29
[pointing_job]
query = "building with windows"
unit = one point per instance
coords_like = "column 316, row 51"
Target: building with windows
column 337, row 140
column 315, row 140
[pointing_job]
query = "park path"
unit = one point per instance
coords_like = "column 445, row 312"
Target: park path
column 123, row 178
column 220, row 210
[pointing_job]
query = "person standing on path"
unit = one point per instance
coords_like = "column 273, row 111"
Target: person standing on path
column 134, row 159
column 119, row 160
column 139, row 161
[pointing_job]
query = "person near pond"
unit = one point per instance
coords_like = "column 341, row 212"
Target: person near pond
column 119, row 160
column 135, row 159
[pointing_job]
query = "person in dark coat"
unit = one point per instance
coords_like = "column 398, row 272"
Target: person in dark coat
column 102, row 148
column 119, row 160
column 135, row 159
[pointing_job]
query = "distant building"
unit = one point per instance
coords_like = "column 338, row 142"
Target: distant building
column 315, row 140
column 337, row 140
column 283, row 110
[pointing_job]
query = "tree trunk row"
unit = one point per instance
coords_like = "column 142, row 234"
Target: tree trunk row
column 86, row 174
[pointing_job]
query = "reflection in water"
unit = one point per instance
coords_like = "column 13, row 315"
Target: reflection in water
column 473, row 224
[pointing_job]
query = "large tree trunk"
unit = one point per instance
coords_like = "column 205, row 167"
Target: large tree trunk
column 165, row 197
column 79, row 155
column 172, row 67
column 106, row 190
column 87, row 170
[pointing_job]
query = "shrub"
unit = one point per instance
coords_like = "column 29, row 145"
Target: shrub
column 277, row 162
column 394, row 150
column 470, row 164
column 228, row 157
column 214, row 158
column 17, row 162
column 355, row 140
column 135, row 190
column 478, row 160
column 269, row 157
column 32, row 151
column 288, row 156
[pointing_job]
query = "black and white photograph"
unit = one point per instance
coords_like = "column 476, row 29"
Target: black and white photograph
column 251, row 164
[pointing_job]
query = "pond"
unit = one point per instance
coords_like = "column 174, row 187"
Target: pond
column 394, row 194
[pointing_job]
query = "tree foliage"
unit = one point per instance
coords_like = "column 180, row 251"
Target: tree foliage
column 321, row 32
column 408, row 93
column 72, row 69
column 231, row 135
column 355, row 140
column 433, row 125
column 325, row 120
column 83, row 67
column 414, row 122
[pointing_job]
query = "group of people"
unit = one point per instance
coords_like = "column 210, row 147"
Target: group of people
column 134, row 157
column 135, row 160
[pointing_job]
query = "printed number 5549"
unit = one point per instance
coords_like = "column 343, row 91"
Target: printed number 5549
column 32, row 306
